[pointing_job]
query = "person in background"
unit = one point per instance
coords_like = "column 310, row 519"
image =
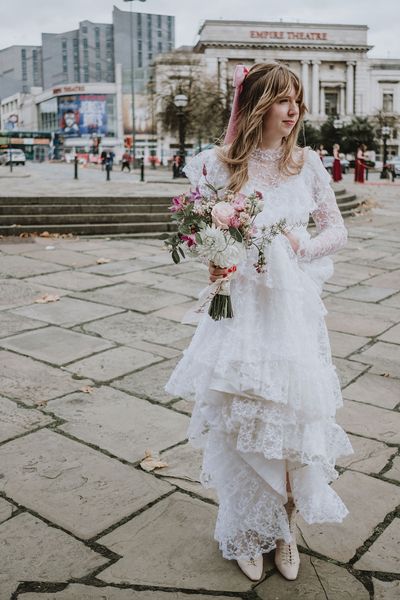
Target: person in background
column 103, row 157
column 126, row 161
column 321, row 151
column 359, row 168
column 336, row 167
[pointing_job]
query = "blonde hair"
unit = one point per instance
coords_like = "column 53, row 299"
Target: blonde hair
column 265, row 84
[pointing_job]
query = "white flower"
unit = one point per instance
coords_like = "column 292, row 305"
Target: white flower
column 219, row 247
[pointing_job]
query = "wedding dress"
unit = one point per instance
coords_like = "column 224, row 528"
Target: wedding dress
column 265, row 389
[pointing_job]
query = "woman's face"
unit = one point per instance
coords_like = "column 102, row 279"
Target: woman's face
column 282, row 116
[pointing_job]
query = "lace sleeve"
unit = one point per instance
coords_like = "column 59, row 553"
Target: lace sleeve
column 206, row 165
column 331, row 232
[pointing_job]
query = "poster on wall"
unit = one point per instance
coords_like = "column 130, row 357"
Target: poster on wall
column 143, row 115
column 82, row 115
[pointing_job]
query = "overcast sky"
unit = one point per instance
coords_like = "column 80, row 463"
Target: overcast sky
column 23, row 21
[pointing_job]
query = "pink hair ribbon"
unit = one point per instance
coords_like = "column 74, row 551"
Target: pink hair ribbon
column 238, row 78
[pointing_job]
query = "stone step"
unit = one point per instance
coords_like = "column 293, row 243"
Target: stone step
column 73, row 219
column 84, row 200
column 68, row 209
column 90, row 229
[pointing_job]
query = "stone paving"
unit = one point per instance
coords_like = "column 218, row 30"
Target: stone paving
column 82, row 400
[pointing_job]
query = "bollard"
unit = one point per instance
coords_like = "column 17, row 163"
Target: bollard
column 76, row 167
column 108, row 169
column 142, row 169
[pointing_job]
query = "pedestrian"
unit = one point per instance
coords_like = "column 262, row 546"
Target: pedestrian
column 103, row 157
column 360, row 165
column 321, row 152
column 175, row 166
column 336, row 166
column 126, row 161
column 263, row 382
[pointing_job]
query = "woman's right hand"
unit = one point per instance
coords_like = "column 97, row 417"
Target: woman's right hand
column 217, row 272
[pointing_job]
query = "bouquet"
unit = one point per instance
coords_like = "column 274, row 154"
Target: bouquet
column 220, row 229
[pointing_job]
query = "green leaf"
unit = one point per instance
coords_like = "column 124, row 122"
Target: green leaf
column 235, row 233
column 175, row 257
column 181, row 252
column 164, row 236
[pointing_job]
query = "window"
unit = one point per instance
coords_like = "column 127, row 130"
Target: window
column 159, row 21
column 387, row 102
column 86, row 73
column 331, row 103
column 23, row 65
column 85, row 42
column 159, row 47
column 98, row 72
column 84, row 29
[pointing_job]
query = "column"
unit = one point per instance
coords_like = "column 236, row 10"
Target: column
column 341, row 100
column 315, row 87
column 350, row 88
column 322, row 101
column 304, row 79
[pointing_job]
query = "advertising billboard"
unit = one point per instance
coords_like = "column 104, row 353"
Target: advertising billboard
column 82, row 114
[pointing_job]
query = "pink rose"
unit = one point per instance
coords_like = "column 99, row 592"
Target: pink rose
column 234, row 222
column 189, row 239
column 240, row 202
column 221, row 214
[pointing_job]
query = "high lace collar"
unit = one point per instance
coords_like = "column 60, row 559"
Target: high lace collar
column 269, row 154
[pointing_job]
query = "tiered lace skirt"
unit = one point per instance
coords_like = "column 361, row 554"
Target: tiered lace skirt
column 266, row 393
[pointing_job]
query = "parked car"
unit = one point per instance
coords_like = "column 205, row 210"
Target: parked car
column 370, row 164
column 327, row 161
column 394, row 165
column 16, row 156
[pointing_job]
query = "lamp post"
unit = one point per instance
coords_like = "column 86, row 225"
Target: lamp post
column 180, row 102
column 385, row 132
column 132, row 83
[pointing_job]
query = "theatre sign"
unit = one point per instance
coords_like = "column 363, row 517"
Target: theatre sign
column 289, row 35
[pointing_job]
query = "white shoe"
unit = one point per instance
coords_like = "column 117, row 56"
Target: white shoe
column 287, row 558
column 253, row 568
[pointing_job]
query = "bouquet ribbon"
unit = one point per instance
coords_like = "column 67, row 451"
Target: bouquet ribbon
column 220, row 286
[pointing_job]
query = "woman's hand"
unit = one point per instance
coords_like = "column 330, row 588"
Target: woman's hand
column 217, row 272
column 294, row 242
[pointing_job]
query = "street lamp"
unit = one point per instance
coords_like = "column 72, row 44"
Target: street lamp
column 385, row 132
column 180, row 102
column 132, row 83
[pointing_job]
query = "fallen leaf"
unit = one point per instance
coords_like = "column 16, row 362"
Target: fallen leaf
column 47, row 298
column 41, row 403
column 103, row 261
column 385, row 374
column 44, row 234
column 150, row 462
column 87, row 389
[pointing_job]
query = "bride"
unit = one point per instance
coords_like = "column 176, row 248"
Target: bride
column 263, row 382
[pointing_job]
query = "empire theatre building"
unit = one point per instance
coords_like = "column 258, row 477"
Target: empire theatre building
column 339, row 78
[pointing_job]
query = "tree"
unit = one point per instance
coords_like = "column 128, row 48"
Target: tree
column 309, row 136
column 361, row 130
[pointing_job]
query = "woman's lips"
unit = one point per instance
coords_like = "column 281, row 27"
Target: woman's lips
column 290, row 123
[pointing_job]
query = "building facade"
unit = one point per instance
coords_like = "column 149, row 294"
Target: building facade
column 20, row 69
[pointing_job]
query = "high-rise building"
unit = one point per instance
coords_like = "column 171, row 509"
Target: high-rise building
column 20, row 69
column 151, row 35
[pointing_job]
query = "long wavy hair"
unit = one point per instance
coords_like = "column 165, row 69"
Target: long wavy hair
column 265, row 84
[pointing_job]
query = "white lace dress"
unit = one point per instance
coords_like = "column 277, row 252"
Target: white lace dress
column 264, row 386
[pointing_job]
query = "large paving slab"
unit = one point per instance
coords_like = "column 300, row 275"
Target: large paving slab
column 77, row 591
column 15, row 419
column 394, row 471
column 386, row 590
column 19, row 266
column 317, row 580
column 356, row 324
column 135, row 297
column 38, row 552
column 15, row 292
column 391, row 335
column 382, row 356
column 124, row 425
column 390, row 280
column 370, row 421
column 55, row 345
column 67, row 312
column 349, row 274
column 348, row 370
column 32, row 382
column 113, row 363
column 369, row 455
column 150, row 382
column 6, row 510
column 343, row 344
column 85, row 491
column 366, row 293
column 374, row 389
column 76, row 281
column 129, row 327
column 384, row 554
column 341, row 540
column 165, row 533
column 118, row 267
column 11, row 324
column 60, row 256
